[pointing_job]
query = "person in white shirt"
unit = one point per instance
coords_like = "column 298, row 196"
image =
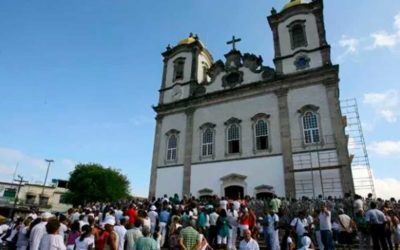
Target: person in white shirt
column 132, row 235
column 299, row 225
column 121, row 232
column 153, row 215
column 325, row 226
column 358, row 203
column 38, row 231
column 86, row 240
column 213, row 228
column 270, row 230
column 52, row 240
column 223, row 204
column 248, row 243
column 233, row 216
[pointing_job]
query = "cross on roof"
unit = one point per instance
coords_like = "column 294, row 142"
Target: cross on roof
column 233, row 42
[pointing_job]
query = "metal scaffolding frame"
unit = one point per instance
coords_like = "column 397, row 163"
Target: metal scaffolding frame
column 314, row 159
column 362, row 174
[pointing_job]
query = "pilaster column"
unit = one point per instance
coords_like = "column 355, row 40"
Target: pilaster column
column 286, row 142
column 187, row 161
column 156, row 151
column 338, row 129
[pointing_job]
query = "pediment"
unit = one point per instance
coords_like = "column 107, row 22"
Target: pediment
column 263, row 187
column 233, row 177
column 206, row 191
column 232, row 120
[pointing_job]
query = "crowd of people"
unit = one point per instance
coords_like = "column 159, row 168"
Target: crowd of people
column 212, row 223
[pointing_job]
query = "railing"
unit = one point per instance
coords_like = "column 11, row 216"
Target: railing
column 326, row 142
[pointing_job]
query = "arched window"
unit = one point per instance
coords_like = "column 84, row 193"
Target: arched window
column 311, row 128
column 179, row 68
column 261, row 135
column 233, row 139
column 207, row 145
column 298, row 34
column 172, row 147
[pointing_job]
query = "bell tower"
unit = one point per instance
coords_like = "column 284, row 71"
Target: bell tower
column 185, row 68
column 299, row 37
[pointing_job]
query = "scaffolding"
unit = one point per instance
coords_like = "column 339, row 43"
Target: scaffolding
column 313, row 166
column 362, row 174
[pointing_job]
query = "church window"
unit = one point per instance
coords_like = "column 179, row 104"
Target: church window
column 179, row 67
column 172, row 145
column 310, row 128
column 233, row 139
column 298, row 34
column 261, row 134
column 208, row 141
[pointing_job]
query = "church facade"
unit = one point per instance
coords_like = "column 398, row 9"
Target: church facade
column 236, row 127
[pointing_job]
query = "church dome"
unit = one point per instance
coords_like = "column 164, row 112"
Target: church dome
column 191, row 39
column 187, row 40
column 293, row 3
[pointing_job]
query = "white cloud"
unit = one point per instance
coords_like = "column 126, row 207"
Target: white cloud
column 397, row 22
column 387, row 188
column 350, row 45
column 384, row 39
column 385, row 105
column 32, row 168
column 375, row 40
column 385, row 148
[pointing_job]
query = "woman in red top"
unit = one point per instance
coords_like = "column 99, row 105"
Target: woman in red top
column 244, row 221
column 101, row 237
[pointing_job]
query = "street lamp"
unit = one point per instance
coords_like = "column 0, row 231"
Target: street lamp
column 20, row 181
column 47, row 172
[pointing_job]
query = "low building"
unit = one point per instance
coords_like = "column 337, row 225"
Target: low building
column 45, row 198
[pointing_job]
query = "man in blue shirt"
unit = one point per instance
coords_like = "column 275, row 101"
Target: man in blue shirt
column 164, row 219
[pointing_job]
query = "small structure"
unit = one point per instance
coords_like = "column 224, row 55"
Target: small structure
column 45, row 198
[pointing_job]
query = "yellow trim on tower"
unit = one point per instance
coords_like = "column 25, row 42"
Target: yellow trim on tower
column 292, row 3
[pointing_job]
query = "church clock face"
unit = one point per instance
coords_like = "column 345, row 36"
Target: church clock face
column 176, row 92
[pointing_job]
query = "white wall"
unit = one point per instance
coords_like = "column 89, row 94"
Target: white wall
column 178, row 122
column 169, row 181
column 259, row 171
column 243, row 110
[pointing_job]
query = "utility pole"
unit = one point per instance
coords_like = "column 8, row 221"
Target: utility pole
column 47, row 172
column 20, row 181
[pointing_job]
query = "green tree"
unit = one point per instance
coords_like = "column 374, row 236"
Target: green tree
column 92, row 182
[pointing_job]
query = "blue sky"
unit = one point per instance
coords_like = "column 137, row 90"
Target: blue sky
column 78, row 78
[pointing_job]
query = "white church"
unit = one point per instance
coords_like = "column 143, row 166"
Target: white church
column 235, row 127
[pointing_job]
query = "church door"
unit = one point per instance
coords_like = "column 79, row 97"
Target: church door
column 234, row 192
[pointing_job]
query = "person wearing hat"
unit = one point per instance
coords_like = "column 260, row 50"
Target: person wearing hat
column 38, row 231
column 112, row 240
column 153, row 215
